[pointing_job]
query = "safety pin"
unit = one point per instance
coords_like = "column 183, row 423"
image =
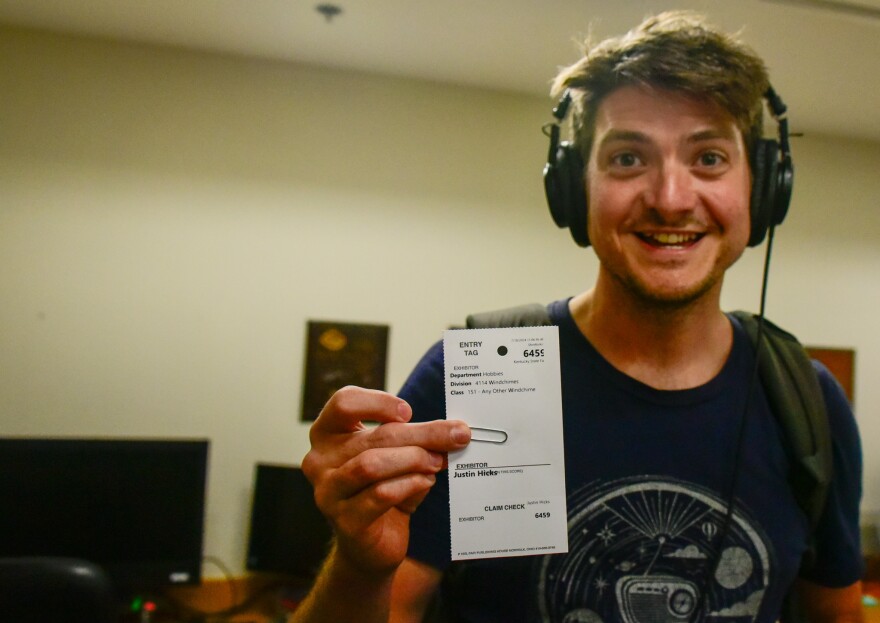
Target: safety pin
column 496, row 435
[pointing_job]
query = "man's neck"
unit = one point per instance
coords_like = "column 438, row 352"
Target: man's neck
column 664, row 347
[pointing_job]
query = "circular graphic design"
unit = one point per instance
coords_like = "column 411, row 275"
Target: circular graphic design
column 641, row 551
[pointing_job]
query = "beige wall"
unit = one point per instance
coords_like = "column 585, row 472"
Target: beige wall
column 169, row 221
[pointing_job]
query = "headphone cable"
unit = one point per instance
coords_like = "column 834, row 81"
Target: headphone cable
column 740, row 434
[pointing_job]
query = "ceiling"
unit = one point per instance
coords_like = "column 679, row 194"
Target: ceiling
column 823, row 55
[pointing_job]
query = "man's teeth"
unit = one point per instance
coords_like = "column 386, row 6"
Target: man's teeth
column 673, row 238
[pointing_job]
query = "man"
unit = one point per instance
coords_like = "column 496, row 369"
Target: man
column 655, row 382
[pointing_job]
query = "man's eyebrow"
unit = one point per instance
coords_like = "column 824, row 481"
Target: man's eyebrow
column 633, row 136
column 630, row 136
column 723, row 132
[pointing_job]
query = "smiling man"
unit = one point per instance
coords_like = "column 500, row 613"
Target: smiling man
column 677, row 475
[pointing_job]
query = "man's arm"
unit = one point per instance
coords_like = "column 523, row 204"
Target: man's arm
column 368, row 481
column 403, row 597
column 414, row 587
column 831, row 605
column 343, row 592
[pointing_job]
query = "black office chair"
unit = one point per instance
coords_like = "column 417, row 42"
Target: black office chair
column 54, row 590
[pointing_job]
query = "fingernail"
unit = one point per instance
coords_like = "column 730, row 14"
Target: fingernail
column 404, row 410
column 461, row 435
column 436, row 460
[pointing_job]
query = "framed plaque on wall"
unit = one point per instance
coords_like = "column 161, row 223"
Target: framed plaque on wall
column 842, row 364
column 340, row 354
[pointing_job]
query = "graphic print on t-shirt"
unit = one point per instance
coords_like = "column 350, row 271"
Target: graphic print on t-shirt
column 640, row 553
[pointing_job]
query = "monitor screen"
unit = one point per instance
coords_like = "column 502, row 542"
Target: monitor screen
column 288, row 534
column 133, row 506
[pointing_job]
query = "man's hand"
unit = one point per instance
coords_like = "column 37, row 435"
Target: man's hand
column 368, row 480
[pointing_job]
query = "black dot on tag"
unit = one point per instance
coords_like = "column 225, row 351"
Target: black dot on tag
column 502, row 350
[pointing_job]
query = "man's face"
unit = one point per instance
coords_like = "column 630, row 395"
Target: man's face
column 668, row 185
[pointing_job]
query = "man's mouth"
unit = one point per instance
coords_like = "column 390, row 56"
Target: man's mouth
column 670, row 240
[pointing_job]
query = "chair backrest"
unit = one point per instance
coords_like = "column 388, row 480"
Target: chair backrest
column 54, row 590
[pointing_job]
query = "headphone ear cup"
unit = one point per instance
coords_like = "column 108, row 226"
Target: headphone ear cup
column 577, row 206
column 784, row 186
column 765, row 164
column 556, row 188
column 566, row 196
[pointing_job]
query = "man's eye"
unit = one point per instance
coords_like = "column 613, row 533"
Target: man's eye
column 626, row 159
column 710, row 159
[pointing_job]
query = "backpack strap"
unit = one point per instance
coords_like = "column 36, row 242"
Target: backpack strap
column 796, row 399
column 529, row 315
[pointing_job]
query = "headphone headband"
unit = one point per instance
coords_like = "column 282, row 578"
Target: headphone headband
column 770, row 161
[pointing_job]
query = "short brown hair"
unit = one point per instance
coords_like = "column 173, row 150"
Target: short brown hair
column 678, row 51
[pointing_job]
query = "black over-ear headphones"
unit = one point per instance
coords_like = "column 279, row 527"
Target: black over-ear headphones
column 770, row 160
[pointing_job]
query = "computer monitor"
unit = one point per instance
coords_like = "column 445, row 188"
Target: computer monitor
column 288, row 534
column 133, row 506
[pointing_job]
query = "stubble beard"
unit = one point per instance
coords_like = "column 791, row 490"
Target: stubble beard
column 655, row 300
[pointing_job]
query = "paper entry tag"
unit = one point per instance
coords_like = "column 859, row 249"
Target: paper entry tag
column 507, row 488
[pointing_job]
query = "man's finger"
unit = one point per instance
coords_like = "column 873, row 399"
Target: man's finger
column 370, row 504
column 376, row 465
column 351, row 405
column 437, row 436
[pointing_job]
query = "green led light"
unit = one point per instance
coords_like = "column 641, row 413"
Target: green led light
column 136, row 604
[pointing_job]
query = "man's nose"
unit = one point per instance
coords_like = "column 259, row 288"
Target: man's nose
column 671, row 189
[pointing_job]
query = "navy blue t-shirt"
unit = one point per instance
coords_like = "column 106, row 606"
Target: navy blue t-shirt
column 648, row 476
